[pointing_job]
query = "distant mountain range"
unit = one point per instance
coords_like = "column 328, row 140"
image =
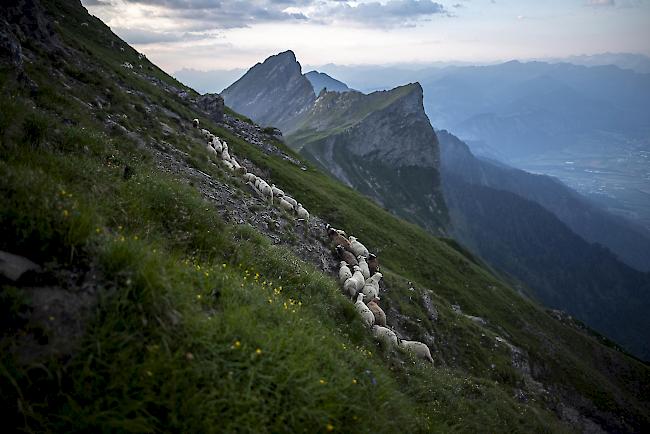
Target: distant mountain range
column 381, row 144
column 526, row 225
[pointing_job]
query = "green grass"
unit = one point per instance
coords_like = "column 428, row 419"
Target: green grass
column 186, row 300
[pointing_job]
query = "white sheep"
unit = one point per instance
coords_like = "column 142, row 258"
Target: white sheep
column 370, row 291
column 265, row 189
column 385, row 336
column 350, row 287
column 358, row 248
column 228, row 165
column 418, row 348
column 276, row 191
column 374, row 280
column 364, row 266
column 358, row 278
column 205, row 133
column 366, row 314
column 344, row 272
column 302, row 212
column 225, row 155
column 216, row 144
column 291, row 200
column 195, row 123
column 285, row 205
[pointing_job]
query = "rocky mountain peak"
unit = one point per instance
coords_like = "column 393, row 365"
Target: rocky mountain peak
column 273, row 92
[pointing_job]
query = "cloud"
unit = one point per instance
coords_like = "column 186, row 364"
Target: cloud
column 600, row 3
column 197, row 15
column 390, row 13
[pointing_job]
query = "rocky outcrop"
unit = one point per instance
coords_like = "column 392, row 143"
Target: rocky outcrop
column 212, row 104
column 382, row 145
column 272, row 93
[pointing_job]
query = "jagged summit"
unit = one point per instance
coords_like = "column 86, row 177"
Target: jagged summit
column 273, row 92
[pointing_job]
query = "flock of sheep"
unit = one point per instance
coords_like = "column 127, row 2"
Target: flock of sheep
column 218, row 150
column 361, row 282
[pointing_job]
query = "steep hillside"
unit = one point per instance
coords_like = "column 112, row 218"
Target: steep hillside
column 320, row 81
column 165, row 295
column 272, row 93
column 629, row 243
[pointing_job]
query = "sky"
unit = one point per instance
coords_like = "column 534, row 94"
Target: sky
column 223, row 34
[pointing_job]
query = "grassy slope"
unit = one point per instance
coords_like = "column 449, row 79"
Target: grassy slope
column 160, row 250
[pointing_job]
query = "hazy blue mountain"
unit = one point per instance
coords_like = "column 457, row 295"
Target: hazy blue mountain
column 561, row 269
column 320, row 81
column 633, row 61
column 630, row 243
column 590, row 127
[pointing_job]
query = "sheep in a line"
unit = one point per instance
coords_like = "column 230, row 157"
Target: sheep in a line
column 374, row 280
column 366, row 314
column 386, row 337
column 338, row 239
column 265, row 189
column 350, row 286
column 291, row 200
column 346, row 256
column 344, row 272
column 371, row 286
column 378, row 312
column 357, row 276
column 276, row 191
column 302, row 212
column 357, row 248
column 338, row 231
column 228, row 165
column 373, row 263
column 364, row 266
column 285, row 205
column 417, row 348
column 250, row 177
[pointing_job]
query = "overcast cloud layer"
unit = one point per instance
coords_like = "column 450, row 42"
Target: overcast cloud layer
column 221, row 34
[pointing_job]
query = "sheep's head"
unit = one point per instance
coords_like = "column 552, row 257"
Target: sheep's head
column 361, row 258
column 352, row 239
column 377, row 276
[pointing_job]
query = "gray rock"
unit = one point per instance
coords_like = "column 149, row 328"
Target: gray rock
column 212, row 104
column 13, row 266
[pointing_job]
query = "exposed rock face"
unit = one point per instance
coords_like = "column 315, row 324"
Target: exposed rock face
column 272, row 93
column 382, row 145
column 212, row 105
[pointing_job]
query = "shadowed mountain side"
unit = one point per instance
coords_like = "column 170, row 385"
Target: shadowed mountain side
column 590, row 222
column 564, row 271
